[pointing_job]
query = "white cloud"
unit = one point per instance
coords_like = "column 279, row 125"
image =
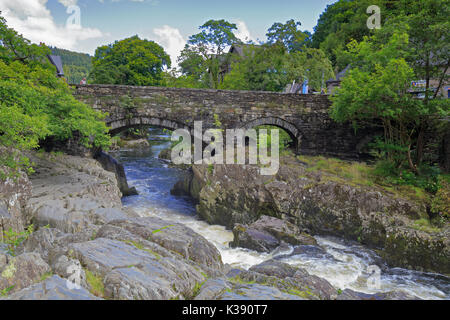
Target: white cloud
column 32, row 19
column 68, row 3
column 242, row 32
column 171, row 40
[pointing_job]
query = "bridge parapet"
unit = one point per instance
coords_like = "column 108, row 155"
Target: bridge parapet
column 304, row 117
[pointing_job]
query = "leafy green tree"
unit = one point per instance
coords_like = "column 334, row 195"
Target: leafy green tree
column 131, row 61
column 311, row 64
column 289, row 34
column 376, row 91
column 261, row 68
column 342, row 22
column 205, row 54
column 35, row 104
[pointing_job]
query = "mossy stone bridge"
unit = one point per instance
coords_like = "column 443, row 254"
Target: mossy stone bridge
column 304, row 117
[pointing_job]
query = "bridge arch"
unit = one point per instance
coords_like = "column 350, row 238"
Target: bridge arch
column 120, row 125
column 290, row 128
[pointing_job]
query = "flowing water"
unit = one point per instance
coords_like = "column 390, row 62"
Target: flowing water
column 344, row 264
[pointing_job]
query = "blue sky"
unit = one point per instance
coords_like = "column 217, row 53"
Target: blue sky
column 168, row 22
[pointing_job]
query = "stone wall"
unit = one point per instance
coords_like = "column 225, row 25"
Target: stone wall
column 305, row 117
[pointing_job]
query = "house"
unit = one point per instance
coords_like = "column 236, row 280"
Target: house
column 332, row 84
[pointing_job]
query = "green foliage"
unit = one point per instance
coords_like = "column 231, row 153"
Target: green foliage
column 272, row 67
column 441, row 201
column 285, row 139
column 14, row 239
column 342, row 22
column 289, row 35
column 376, row 92
column 203, row 56
column 95, row 283
column 5, row 292
column 35, row 104
column 131, row 61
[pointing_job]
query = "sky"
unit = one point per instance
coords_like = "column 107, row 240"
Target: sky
column 84, row 25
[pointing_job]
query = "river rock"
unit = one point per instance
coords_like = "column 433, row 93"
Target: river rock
column 268, row 233
column 54, row 288
column 128, row 272
column 175, row 238
column 112, row 165
column 22, row 271
column 72, row 194
column 349, row 294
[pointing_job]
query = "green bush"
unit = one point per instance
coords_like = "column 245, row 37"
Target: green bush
column 35, row 103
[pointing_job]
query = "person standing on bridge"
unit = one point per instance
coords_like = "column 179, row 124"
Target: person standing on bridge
column 83, row 81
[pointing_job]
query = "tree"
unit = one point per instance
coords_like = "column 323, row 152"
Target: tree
column 289, row 35
column 310, row 64
column 272, row 67
column 342, row 22
column 131, row 61
column 35, row 104
column 376, row 91
column 204, row 54
column 261, row 68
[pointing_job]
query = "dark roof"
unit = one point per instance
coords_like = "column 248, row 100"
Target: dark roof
column 340, row 75
column 57, row 62
column 239, row 48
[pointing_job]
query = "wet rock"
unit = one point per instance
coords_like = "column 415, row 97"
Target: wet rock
column 349, row 294
column 22, row 271
column 291, row 279
column 267, row 233
column 112, row 165
column 54, row 288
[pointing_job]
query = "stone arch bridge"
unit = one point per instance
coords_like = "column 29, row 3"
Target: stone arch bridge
column 304, row 117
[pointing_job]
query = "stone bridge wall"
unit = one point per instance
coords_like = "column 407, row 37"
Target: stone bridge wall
column 305, row 117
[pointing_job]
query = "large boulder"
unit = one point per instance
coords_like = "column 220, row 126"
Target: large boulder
column 125, row 271
column 73, row 194
column 268, row 233
column 174, row 237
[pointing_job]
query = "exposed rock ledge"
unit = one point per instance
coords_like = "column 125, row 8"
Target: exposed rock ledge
column 84, row 234
column 237, row 196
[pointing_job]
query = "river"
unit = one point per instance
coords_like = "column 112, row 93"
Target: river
column 344, row 264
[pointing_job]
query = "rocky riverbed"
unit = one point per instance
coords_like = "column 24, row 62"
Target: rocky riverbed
column 87, row 245
column 265, row 212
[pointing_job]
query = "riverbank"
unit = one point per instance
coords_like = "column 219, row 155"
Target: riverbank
column 319, row 196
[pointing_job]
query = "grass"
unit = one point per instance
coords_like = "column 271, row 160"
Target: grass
column 95, row 282
column 360, row 174
column 5, row 292
column 141, row 247
column 46, row 275
column 425, row 225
